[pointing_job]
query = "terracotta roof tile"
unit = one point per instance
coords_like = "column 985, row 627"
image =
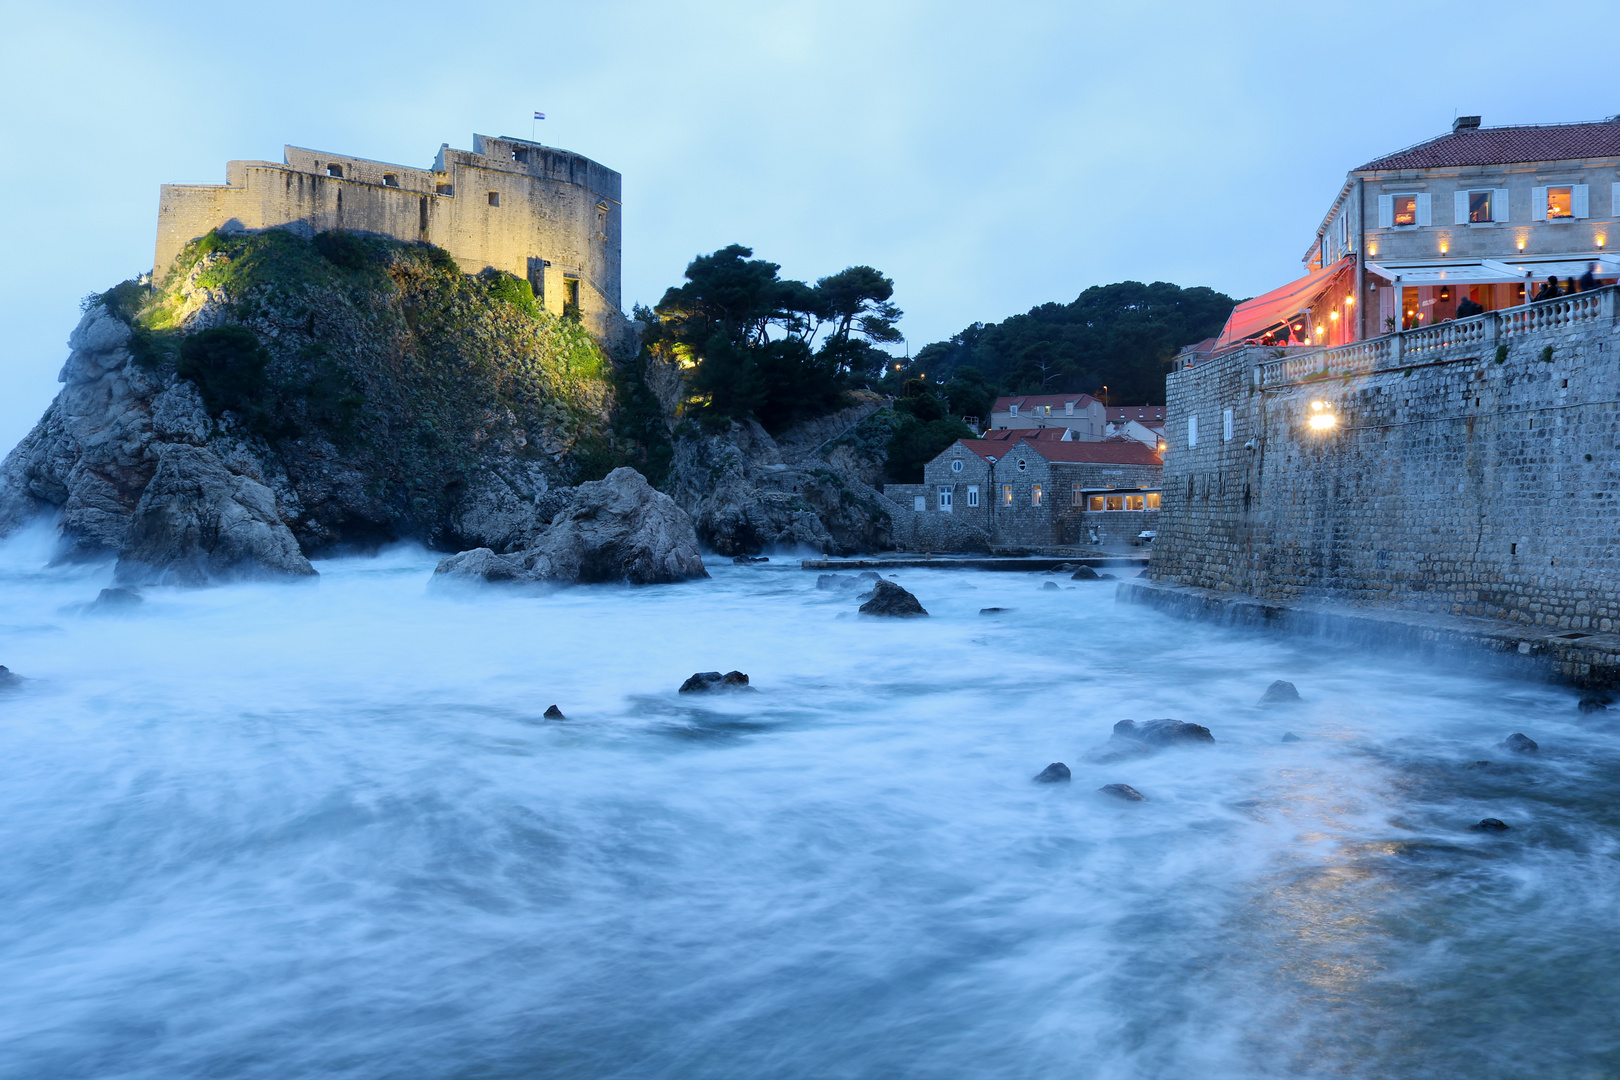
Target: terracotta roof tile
column 1120, row 452
column 1507, row 145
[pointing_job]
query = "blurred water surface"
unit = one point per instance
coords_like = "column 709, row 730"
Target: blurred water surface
column 324, row 830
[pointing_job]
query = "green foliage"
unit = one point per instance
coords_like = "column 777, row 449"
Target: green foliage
column 510, row 289
column 1547, row 355
column 228, row 365
column 347, row 251
column 917, row 441
column 1501, row 354
column 751, row 336
column 1122, row 336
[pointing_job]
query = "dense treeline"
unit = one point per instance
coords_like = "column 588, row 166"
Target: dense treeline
column 1121, row 336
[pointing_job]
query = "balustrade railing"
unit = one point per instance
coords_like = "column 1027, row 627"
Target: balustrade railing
column 1433, row 342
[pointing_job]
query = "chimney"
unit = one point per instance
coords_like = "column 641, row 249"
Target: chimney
column 1465, row 123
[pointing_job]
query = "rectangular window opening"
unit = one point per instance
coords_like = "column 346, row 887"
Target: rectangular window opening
column 1079, row 497
column 1152, row 498
column 1035, row 495
column 1479, row 208
column 1006, row 494
column 494, row 198
column 1560, row 202
column 1406, row 210
column 1094, row 502
column 973, row 495
column 945, row 500
column 1133, row 502
column 1116, row 502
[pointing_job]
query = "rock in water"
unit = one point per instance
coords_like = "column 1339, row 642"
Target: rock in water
column 1085, row 573
column 1519, row 744
column 1049, row 585
column 554, row 713
column 197, row 522
column 1281, row 692
column 1123, row 791
column 993, row 610
column 744, row 559
column 704, row 681
column 1595, row 703
column 1055, row 773
column 1162, row 733
column 116, row 600
column 617, row 529
column 8, row 678
column 1491, row 824
column 890, row 600
column 1289, row 736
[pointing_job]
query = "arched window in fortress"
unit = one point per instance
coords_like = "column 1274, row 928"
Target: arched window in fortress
column 390, row 180
column 334, row 169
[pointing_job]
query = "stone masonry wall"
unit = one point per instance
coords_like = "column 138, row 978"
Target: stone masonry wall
column 1452, row 483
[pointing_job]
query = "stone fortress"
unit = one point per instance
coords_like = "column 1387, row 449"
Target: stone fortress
column 546, row 215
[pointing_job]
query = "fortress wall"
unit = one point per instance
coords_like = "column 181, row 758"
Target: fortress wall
column 1454, row 486
column 558, row 208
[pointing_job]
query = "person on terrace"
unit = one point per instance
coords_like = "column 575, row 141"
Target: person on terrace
column 1549, row 290
column 1589, row 279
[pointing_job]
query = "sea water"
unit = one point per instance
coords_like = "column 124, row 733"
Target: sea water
column 324, row 830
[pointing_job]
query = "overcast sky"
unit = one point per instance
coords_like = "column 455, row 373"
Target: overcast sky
column 988, row 157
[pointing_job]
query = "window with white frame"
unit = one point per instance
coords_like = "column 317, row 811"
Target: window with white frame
column 1035, row 495
column 956, row 466
column 1406, row 210
column 1068, row 408
column 1192, row 431
column 1560, row 202
column 919, row 503
column 944, row 500
column 1079, row 496
column 973, row 495
column 1012, row 410
column 1023, row 466
column 1479, row 207
column 1006, row 494
column 1226, row 425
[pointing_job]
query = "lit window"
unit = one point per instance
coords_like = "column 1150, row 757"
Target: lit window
column 1095, row 502
column 945, row 500
column 1006, row 494
column 1049, row 410
column 1133, row 502
column 1479, row 208
column 1035, row 496
column 1116, row 502
column 1406, row 209
column 494, row 198
column 390, row 180
column 956, row 466
column 1152, row 500
column 335, row 169
column 973, row 494
column 1079, row 499
column 1560, row 202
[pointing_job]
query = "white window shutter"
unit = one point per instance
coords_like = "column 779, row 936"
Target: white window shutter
column 1386, row 210
column 1459, row 203
column 1425, row 213
column 1583, row 200
column 1499, row 205
column 1614, row 200
column 1192, row 431
column 1538, row 204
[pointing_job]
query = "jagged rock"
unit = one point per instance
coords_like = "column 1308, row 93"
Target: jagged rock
column 1280, row 692
column 615, row 529
column 1161, row 733
column 749, row 559
column 1592, row 703
column 1519, row 744
column 1477, row 765
column 554, row 713
column 1085, row 573
column 891, row 601
column 1049, row 585
column 116, row 600
column 993, row 610
column 9, row 680
column 1491, row 824
column 1289, row 736
column 844, row 581
column 1123, row 791
column 705, row 681
column 1055, row 773
column 197, row 522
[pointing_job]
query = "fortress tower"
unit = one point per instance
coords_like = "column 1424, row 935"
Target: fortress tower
column 546, row 215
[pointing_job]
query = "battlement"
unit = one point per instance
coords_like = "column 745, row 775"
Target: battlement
column 549, row 216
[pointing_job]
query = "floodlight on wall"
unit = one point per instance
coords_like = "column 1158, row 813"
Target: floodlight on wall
column 1321, row 416
column 1445, row 246
column 1521, row 243
column 1600, row 243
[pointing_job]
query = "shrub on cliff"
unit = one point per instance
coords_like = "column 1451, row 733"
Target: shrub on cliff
column 227, row 363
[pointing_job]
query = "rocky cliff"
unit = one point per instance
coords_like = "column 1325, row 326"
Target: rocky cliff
column 277, row 397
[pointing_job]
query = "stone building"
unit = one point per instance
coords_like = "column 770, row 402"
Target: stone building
column 1480, row 214
column 1041, row 488
column 548, row 216
column 1081, row 414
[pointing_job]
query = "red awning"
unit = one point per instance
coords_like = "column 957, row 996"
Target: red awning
column 1252, row 317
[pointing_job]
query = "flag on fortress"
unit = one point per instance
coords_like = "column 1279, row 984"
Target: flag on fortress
column 539, row 116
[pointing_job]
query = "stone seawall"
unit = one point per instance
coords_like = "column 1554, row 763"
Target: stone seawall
column 1472, row 471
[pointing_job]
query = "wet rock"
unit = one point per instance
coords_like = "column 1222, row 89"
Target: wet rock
column 993, row 610
column 1492, row 824
column 116, row 600
column 1049, row 585
column 1281, row 692
column 1123, row 791
column 1106, row 577
column 197, row 522
column 1161, row 733
column 891, row 601
column 1289, row 736
column 1055, row 773
column 554, row 713
column 1477, row 765
column 749, row 559
column 1519, row 744
column 862, row 581
column 480, row 564
column 9, row 680
column 1592, row 703
column 705, row 681
column 1085, row 573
